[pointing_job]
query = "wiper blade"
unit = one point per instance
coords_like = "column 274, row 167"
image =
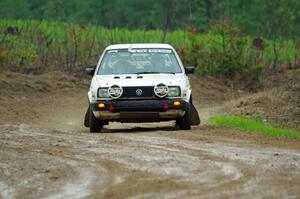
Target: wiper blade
column 168, row 73
column 154, row 73
column 145, row 72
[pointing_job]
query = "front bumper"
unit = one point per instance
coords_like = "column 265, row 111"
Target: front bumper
column 139, row 110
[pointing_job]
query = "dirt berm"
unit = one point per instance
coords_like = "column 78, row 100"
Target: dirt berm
column 45, row 152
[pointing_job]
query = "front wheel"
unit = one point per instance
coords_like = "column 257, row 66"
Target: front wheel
column 185, row 121
column 95, row 124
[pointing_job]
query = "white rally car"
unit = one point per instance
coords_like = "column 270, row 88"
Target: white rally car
column 140, row 83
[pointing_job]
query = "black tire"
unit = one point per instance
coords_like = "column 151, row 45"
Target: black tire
column 185, row 121
column 95, row 124
column 87, row 117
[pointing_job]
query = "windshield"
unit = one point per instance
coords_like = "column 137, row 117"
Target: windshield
column 139, row 61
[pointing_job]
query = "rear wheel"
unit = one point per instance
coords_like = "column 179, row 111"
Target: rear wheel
column 185, row 121
column 95, row 124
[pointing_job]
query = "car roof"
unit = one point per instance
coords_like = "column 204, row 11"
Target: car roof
column 124, row 46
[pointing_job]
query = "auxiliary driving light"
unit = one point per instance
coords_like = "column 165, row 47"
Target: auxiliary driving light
column 115, row 91
column 161, row 90
column 176, row 103
column 101, row 105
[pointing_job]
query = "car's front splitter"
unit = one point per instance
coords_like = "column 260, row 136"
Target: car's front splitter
column 140, row 110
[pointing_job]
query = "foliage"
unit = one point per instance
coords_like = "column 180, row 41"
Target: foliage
column 258, row 18
column 46, row 45
column 253, row 126
column 215, row 35
column 224, row 52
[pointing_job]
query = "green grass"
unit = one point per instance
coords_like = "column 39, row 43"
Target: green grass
column 253, row 126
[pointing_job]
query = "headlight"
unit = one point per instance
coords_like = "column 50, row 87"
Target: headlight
column 103, row 93
column 174, row 91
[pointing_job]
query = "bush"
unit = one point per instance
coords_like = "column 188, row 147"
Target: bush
column 224, row 53
column 47, row 45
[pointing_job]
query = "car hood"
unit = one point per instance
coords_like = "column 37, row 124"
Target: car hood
column 139, row 80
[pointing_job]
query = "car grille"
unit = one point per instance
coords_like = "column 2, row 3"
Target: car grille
column 138, row 92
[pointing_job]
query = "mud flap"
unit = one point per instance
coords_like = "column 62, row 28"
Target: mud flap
column 195, row 119
column 87, row 118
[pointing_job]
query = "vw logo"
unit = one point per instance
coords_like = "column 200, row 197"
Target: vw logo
column 139, row 92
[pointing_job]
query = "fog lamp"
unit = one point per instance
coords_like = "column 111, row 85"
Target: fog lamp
column 101, row 105
column 176, row 103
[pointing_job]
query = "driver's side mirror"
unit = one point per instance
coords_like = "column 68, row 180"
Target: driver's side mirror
column 189, row 69
column 90, row 70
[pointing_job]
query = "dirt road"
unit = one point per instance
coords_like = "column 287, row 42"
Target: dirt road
column 45, row 152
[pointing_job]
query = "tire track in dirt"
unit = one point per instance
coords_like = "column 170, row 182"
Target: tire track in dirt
column 46, row 165
column 143, row 162
column 215, row 163
column 6, row 191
